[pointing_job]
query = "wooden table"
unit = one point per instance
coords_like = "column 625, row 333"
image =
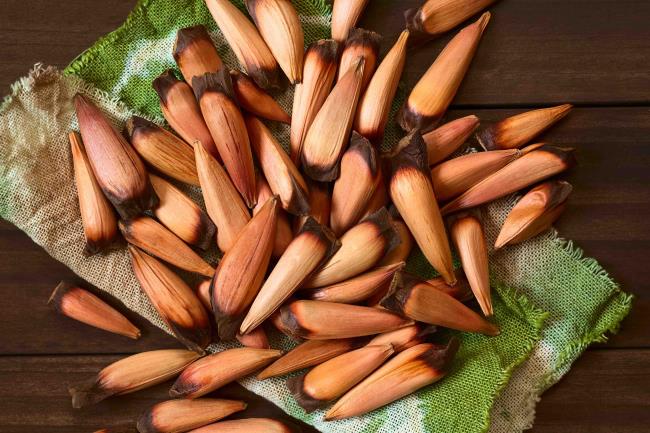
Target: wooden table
column 594, row 54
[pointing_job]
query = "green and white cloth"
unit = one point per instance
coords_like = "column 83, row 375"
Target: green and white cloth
column 550, row 302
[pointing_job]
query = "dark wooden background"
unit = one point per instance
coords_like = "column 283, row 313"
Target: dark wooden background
column 593, row 53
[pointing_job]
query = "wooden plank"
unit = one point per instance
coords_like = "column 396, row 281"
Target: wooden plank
column 543, row 52
column 34, row 31
column 34, row 397
column 606, row 391
column 534, row 52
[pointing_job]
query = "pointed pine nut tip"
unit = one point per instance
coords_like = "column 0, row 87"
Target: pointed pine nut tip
column 404, row 338
column 207, row 231
column 441, row 358
column 299, row 203
column 333, row 415
column 426, row 332
column 88, row 393
column 414, row 24
column 404, row 36
column 183, row 388
column 58, row 293
column 398, row 292
column 530, row 148
column 448, row 138
column 408, row 119
column 561, row 110
column 187, row 36
column 450, row 277
column 256, row 339
column 80, row 100
column 361, row 145
column 459, row 217
column 558, row 192
column 491, row 329
column 145, row 423
column 359, row 36
column 75, row 139
column 135, row 252
column 484, row 20
column 251, row 6
column 307, row 402
column 322, row 232
column 360, row 42
column 487, row 138
column 385, row 227
column 163, row 84
column 564, row 154
column 276, row 320
column 135, row 123
column 220, row 82
column 195, row 339
column 327, row 50
column 460, row 291
column 411, row 151
column 202, row 290
column 308, row 354
column 487, row 307
column 290, row 323
column 255, row 100
column 227, row 326
column 500, row 242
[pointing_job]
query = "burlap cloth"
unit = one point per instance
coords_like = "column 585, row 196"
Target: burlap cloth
column 550, row 302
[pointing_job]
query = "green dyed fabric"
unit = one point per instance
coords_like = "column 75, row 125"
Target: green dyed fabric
column 549, row 301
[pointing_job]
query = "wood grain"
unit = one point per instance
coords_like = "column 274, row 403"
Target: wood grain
column 39, row 383
column 593, row 53
column 37, row 399
column 607, row 391
column 543, row 52
column 533, row 52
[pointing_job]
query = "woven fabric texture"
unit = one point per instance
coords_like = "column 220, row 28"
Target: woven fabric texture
column 544, row 289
